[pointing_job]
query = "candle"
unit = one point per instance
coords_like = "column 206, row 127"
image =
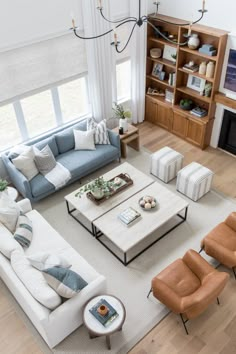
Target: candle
column 190, row 29
column 203, row 5
column 100, row 3
column 115, row 37
column 73, row 23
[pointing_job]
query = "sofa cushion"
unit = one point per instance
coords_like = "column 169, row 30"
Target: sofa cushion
column 84, row 140
column 24, row 231
column 9, row 212
column 45, row 260
column 44, row 159
column 25, row 163
column 65, row 140
column 65, row 282
column 82, row 162
column 51, row 142
column 100, row 131
column 40, row 185
column 34, row 281
column 7, row 243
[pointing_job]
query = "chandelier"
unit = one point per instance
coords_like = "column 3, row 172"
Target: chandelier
column 139, row 21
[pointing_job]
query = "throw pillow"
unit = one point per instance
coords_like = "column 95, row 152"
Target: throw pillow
column 7, row 242
column 44, row 260
column 64, row 281
column 100, row 131
column 24, row 231
column 9, row 212
column 44, row 160
column 16, row 151
column 25, row 163
column 84, row 140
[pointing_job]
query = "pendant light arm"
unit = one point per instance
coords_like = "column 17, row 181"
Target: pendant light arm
column 116, row 21
column 163, row 36
column 120, row 51
column 93, row 37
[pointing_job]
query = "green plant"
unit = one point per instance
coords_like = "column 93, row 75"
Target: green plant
column 3, row 184
column 98, row 184
column 174, row 56
column 120, row 111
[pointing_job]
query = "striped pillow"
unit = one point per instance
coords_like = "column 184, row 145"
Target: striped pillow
column 24, row 231
column 100, row 131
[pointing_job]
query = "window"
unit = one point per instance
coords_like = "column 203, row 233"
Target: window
column 123, row 81
column 74, row 99
column 39, row 114
column 9, row 131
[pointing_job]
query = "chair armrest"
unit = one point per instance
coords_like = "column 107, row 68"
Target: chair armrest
column 114, row 139
column 231, row 221
column 198, row 265
column 167, row 296
column 17, row 178
column 222, row 254
column 25, row 205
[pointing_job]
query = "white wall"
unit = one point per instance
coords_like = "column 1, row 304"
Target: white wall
column 221, row 14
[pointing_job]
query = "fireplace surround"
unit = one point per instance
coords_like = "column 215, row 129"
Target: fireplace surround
column 227, row 140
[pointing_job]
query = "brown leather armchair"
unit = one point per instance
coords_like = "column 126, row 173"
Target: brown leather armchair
column 188, row 286
column 220, row 243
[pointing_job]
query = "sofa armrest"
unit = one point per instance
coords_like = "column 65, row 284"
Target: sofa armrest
column 167, row 295
column 198, row 265
column 25, row 205
column 17, row 178
column 231, row 221
column 114, row 138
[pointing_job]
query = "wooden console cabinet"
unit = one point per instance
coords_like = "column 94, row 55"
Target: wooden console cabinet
column 169, row 115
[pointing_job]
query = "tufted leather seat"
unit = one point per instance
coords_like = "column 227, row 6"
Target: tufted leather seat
column 220, row 242
column 189, row 285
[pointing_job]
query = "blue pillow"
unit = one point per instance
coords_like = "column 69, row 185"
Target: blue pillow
column 51, row 142
column 65, row 140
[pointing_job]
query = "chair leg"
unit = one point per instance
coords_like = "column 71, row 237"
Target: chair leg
column 218, row 301
column 201, row 250
column 184, row 321
column 150, row 291
column 233, row 268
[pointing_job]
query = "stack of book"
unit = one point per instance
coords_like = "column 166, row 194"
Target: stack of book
column 199, row 112
column 107, row 319
column 191, row 68
column 129, row 215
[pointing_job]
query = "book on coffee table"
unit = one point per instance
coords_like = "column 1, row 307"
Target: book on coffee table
column 129, row 215
column 107, row 319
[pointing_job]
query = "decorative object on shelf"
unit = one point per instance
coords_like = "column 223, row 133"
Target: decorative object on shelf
column 193, row 41
column 202, row 68
column 210, row 69
column 207, row 89
column 174, row 57
column 169, row 52
column 157, row 68
column 199, row 112
column 191, row 66
column 161, row 75
column 137, row 21
column 148, row 202
column 169, row 96
column 207, row 49
column 102, row 310
column 122, row 114
column 99, row 187
column 155, row 53
column 196, row 83
column 172, row 79
column 186, row 104
column 155, row 92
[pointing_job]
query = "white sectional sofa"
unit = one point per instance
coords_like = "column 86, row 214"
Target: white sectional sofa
column 53, row 325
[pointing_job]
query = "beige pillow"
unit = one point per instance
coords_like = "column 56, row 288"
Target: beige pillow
column 9, row 212
column 25, row 163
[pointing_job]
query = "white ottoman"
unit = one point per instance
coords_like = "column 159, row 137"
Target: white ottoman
column 194, row 181
column 165, row 163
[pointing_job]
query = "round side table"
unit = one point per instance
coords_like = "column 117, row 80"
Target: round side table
column 95, row 328
column 12, row 192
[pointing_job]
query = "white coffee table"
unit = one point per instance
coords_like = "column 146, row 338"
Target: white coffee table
column 91, row 211
column 95, row 328
column 109, row 227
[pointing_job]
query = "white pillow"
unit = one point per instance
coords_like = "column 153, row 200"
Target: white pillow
column 43, row 260
column 25, row 163
column 7, row 243
column 34, row 281
column 9, row 212
column 84, row 140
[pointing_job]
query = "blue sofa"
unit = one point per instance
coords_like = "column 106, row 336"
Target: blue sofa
column 79, row 163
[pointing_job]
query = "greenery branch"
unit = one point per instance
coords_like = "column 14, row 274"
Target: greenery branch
column 98, row 183
column 3, row 184
column 120, row 111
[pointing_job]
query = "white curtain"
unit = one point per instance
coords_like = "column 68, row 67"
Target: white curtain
column 138, row 64
column 99, row 52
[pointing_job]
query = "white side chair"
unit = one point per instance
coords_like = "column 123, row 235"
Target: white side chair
column 194, row 181
column 165, row 164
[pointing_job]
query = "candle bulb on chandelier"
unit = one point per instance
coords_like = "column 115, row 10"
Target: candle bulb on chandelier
column 190, row 29
column 115, row 37
column 203, row 5
column 100, row 4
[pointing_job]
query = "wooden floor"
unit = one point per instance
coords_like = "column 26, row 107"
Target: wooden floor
column 211, row 333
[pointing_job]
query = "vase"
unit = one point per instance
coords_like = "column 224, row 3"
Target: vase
column 102, row 310
column 123, row 124
column 98, row 193
column 194, row 41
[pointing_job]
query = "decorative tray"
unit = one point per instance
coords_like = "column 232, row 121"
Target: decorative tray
column 126, row 181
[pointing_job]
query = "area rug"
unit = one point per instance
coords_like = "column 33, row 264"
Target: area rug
column 132, row 283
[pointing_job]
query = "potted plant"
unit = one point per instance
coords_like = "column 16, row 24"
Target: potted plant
column 3, row 184
column 174, row 57
column 122, row 114
column 99, row 187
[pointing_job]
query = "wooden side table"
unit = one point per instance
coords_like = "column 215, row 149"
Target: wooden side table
column 95, row 328
column 131, row 138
